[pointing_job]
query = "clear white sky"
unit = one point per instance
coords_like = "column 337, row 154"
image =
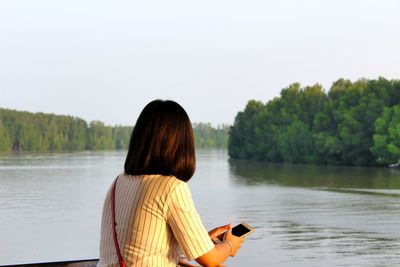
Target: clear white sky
column 104, row 60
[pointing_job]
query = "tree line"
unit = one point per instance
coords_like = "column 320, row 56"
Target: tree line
column 26, row 131
column 354, row 123
column 206, row 136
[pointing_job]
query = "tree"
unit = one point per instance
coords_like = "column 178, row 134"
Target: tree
column 5, row 141
column 386, row 139
column 99, row 136
column 307, row 125
column 242, row 139
column 295, row 143
column 121, row 135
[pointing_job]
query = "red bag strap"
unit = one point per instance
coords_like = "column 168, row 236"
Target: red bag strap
column 120, row 259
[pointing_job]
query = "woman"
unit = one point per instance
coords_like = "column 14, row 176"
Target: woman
column 150, row 203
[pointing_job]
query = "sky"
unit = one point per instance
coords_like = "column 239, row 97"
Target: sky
column 105, row 60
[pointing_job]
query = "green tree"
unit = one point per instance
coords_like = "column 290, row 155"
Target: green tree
column 386, row 139
column 295, row 143
column 99, row 136
column 242, row 139
column 207, row 136
column 5, row 141
column 307, row 125
column 121, row 135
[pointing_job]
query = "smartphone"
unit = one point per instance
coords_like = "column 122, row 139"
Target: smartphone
column 241, row 230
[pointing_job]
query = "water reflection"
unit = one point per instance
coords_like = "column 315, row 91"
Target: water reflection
column 323, row 215
column 338, row 241
column 331, row 177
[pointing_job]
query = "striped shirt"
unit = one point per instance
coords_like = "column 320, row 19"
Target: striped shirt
column 156, row 220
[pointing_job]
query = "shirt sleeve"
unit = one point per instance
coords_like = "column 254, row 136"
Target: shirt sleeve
column 186, row 224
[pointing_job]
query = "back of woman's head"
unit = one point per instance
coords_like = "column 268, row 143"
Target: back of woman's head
column 162, row 142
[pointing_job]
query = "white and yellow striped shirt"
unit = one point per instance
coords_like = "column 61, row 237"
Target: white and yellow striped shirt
column 155, row 217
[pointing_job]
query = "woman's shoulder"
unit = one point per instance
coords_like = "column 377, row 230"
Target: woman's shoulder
column 168, row 182
column 168, row 187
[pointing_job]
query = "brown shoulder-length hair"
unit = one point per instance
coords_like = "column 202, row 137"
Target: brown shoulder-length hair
column 162, row 142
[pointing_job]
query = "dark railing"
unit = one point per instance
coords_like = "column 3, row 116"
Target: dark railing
column 74, row 263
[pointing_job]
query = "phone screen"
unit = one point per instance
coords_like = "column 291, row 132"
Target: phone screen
column 240, row 230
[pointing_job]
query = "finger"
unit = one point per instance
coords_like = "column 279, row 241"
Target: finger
column 226, row 227
column 219, row 232
column 223, row 228
column 228, row 231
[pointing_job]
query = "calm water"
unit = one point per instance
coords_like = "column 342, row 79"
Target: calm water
column 50, row 207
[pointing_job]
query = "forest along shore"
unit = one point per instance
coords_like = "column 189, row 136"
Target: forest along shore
column 355, row 123
column 26, row 131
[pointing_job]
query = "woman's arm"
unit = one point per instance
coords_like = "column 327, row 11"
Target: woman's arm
column 228, row 247
column 190, row 233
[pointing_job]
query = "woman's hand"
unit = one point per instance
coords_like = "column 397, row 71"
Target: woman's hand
column 218, row 232
column 225, row 233
column 228, row 246
column 235, row 241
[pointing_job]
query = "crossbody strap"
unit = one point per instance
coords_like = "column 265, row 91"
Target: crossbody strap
column 120, row 259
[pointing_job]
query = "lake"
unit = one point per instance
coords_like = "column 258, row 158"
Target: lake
column 50, row 208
